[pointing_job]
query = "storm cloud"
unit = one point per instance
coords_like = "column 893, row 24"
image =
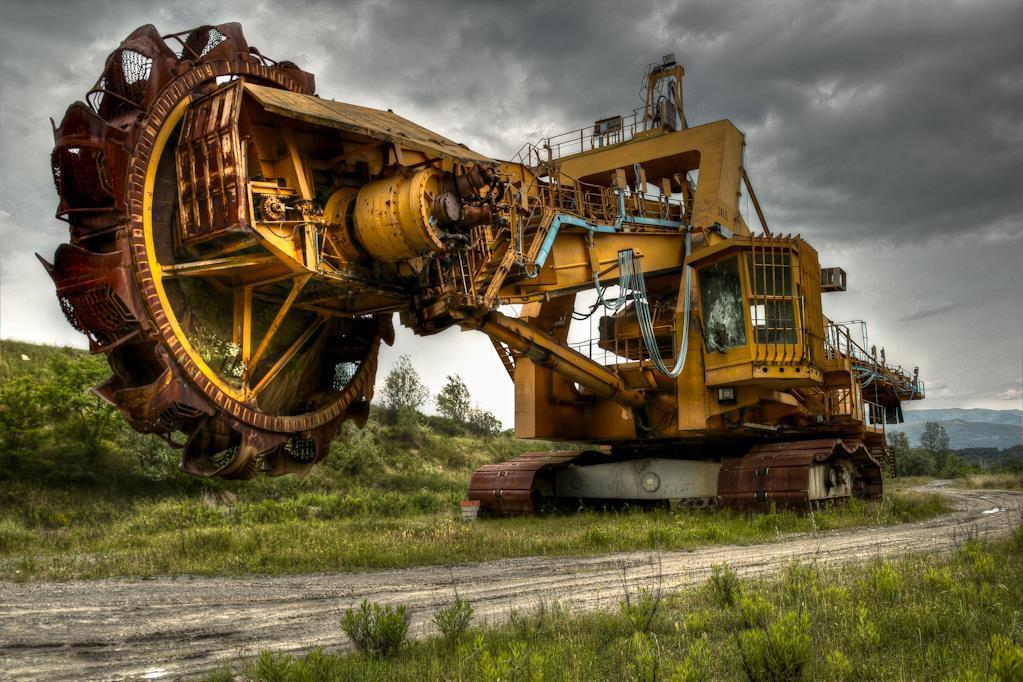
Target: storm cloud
column 889, row 134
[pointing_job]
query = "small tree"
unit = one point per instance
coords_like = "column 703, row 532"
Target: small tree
column 936, row 442
column 482, row 422
column 454, row 401
column 934, row 438
column 81, row 419
column 22, row 421
column 404, row 388
column 898, row 443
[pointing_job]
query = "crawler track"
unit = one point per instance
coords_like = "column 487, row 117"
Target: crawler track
column 118, row 629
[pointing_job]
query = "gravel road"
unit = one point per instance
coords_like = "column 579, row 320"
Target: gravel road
column 184, row 626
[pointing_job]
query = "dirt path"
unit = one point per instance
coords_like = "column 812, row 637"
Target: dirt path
column 171, row 627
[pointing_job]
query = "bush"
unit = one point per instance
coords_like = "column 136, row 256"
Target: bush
column 885, row 582
column 643, row 612
column 724, row 585
column 376, row 630
column 645, row 658
column 694, row 667
column 838, row 666
column 483, row 423
column 779, row 652
column 754, row 610
column 453, row 620
column 1006, row 659
column 272, row 667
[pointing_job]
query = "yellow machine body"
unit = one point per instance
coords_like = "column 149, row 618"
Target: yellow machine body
column 262, row 239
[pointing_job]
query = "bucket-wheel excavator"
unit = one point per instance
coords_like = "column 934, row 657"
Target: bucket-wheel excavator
column 239, row 247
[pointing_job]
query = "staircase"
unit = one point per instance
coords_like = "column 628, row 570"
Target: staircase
column 507, row 359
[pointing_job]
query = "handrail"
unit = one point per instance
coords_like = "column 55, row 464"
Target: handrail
column 869, row 368
column 581, row 140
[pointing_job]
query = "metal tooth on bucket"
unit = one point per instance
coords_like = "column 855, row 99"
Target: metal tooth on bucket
column 134, row 74
column 95, row 295
column 221, row 446
column 227, row 42
column 148, row 391
column 89, row 156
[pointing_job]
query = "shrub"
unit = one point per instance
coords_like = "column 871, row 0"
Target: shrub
column 645, row 658
column 885, row 582
column 724, row 585
column 694, row 667
column 453, row 620
column 865, row 632
column 838, row 666
column 376, row 630
column 642, row 612
column 779, row 652
column 272, row 667
column 800, row 581
column 1006, row 659
column 754, row 610
column 483, row 423
column 513, row 663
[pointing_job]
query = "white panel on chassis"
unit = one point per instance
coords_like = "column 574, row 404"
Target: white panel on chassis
column 640, row 479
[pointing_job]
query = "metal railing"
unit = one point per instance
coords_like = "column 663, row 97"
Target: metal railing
column 603, row 133
column 838, row 342
column 606, row 205
column 875, row 415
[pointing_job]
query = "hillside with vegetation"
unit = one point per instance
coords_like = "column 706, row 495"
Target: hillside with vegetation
column 82, row 495
column 967, row 428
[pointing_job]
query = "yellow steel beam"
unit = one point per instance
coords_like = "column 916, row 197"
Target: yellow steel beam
column 214, row 266
column 296, row 160
column 287, row 356
column 551, row 353
column 296, row 288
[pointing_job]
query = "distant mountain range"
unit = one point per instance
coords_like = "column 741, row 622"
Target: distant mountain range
column 972, row 428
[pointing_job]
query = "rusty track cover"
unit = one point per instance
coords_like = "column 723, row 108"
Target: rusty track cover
column 513, row 487
column 779, row 474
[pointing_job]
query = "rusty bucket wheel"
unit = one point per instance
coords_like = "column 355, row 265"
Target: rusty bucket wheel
column 115, row 176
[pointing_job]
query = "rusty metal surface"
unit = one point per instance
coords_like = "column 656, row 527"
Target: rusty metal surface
column 101, row 156
column 512, row 487
column 210, row 194
column 384, row 125
column 779, row 474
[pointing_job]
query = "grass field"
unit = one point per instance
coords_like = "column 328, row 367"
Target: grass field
column 996, row 481
column 66, row 536
column 926, row 617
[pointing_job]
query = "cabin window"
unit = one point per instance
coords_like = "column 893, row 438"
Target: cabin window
column 772, row 315
column 721, row 294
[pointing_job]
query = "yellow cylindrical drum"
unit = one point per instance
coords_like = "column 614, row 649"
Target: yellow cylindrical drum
column 339, row 216
column 392, row 216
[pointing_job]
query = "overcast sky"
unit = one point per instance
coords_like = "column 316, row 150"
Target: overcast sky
column 890, row 135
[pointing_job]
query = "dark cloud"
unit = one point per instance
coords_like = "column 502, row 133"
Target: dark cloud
column 888, row 133
column 931, row 311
